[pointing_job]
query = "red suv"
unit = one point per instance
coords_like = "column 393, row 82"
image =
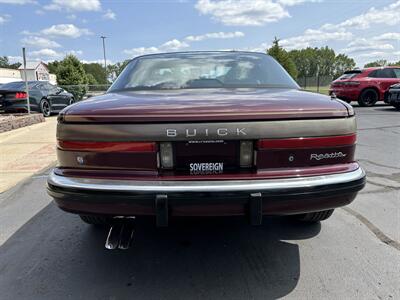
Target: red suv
column 366, row 86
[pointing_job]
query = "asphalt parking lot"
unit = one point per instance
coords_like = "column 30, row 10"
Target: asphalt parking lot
column 48, row 254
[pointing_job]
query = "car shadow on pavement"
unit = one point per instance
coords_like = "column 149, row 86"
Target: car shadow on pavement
column 387, row 109
column 56, row 256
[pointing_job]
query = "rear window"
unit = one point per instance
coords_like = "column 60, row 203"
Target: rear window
column 203, row 70
column 349, row 74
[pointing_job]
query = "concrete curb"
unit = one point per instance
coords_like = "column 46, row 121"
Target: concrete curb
column 13, row 121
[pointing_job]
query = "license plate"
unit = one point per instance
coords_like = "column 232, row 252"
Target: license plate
column 209, row 157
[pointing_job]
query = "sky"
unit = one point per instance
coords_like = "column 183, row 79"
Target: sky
column 363, row 29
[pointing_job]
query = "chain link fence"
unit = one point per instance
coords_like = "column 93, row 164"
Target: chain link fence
column 318, row 84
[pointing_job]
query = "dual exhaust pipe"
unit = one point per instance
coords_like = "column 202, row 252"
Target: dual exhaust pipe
column 120, row 235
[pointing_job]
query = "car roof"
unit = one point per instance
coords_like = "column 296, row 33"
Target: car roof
column 378, row 68
column 200, row 52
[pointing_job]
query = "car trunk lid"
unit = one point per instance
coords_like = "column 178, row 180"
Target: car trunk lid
column 204, row 105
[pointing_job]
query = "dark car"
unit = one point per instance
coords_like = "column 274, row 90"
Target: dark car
column 43, row 96
column 366, row 86
column 393, row 96
column 205, row 134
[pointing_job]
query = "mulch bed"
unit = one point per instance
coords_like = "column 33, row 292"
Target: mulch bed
column 13, row 121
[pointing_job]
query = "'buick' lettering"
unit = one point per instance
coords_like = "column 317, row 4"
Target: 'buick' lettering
column 315, row 156
column 205, row 132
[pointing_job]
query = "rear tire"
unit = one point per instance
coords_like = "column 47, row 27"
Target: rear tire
column 315, row 216
column 95, row 220
column 368, row 98
column 396, row 106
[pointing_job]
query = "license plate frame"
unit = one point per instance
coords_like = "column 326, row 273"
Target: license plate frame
column 208, row 153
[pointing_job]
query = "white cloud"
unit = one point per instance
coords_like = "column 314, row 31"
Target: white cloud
column 388, row 15
column 71, row 17
column 46, row 54
column 245, row 12
column 99, row 61
column 295, row 2
column 395, row 36
column 242, row 12
column 141, row 51
column 172, row 45
column 373, row 46
column 110, row 15
column 14, row 59
column 214, row 35
column 374, row 54
column 65, row 30
column 343, row 31
column 74, row 5
column 312, row 36
column 4, row 18
column 261, row 48
column 20, row 2
column 74, row 52
column 368, row 47
column 39, row 42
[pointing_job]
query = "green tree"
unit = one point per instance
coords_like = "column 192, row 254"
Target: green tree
column 342, row 64
column 395, row 64
column 5, row 63
column 52, row 66
column 71, row 74
column 97, row 71
column 325, row 61
column 306, row 63
column 376, row 63
column 283, row 57
column 116, row 69
column 91, row 79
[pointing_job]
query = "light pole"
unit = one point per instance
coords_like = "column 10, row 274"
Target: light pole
column 26, row 82
column 104, row 52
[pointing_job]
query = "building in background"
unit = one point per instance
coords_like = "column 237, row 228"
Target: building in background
column 9, row 75
column 35, row 70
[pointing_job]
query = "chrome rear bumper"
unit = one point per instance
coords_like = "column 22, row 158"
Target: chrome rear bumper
column 216, row 186
column 200, row 198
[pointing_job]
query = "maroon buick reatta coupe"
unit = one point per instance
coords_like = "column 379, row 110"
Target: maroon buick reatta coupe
column 205, row 134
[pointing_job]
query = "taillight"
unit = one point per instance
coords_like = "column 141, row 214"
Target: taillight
column 20, row 95
column 307, row 142
column 351, row 83
column 166, row 155
column 107, row 146
column 246, row 154
column 346, row 83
